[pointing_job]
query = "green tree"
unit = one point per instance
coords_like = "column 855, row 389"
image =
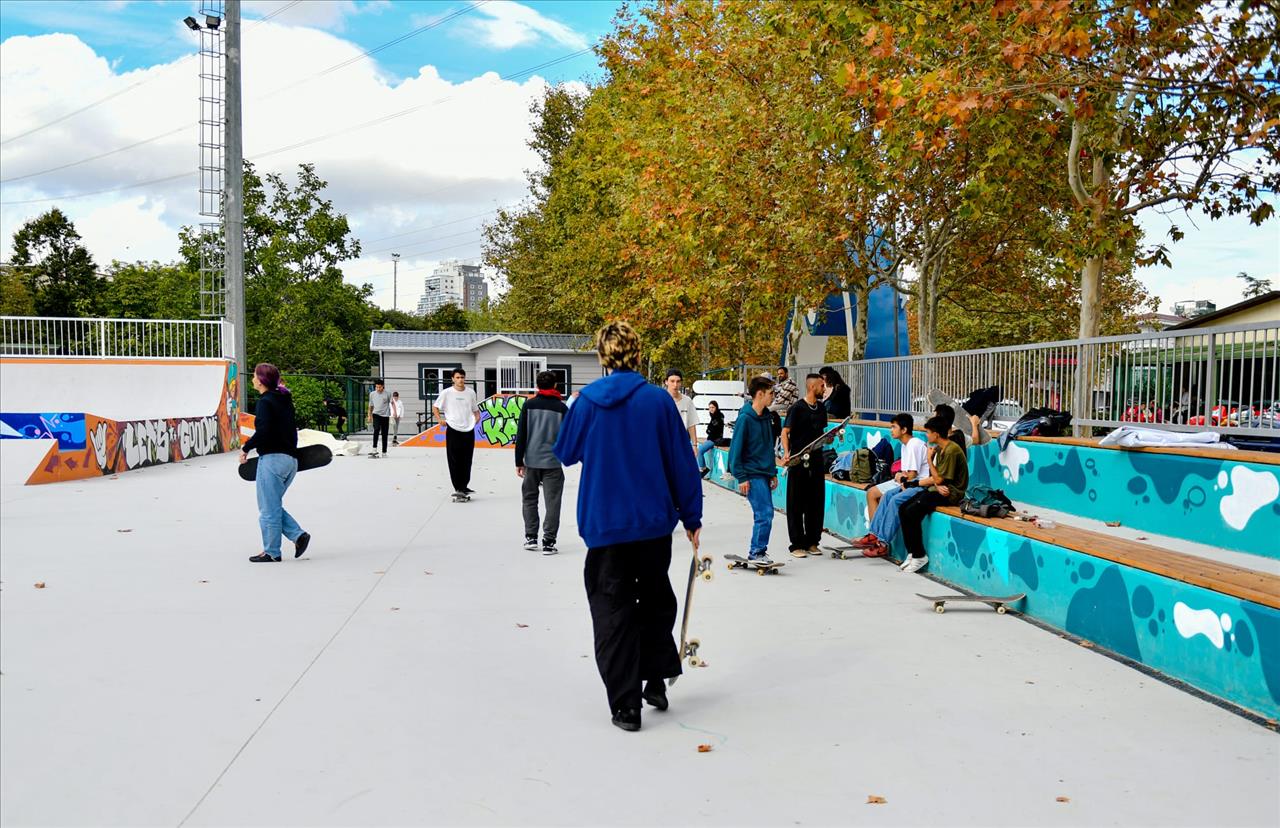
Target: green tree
column 58, row 270
column 1254, row 286
column 300, row 313
column 447, row 317
column 150, row 290
column 15, row 296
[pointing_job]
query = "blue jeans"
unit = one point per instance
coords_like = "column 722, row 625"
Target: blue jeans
column 761, row 499
column 885, row 523
column 703, row 448
column 275, row 473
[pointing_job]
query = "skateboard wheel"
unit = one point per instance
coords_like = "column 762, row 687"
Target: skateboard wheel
column 760, row 571
column 938, row 608
column 731, row 566
column 706, row 576
column 1000, row 609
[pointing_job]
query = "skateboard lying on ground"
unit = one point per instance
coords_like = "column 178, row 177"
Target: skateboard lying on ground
column 828, row 436
column 699, row 567
column 999, row 602
column 841, row 553
column 309, row 457
column 460, row 497
column 739, row 562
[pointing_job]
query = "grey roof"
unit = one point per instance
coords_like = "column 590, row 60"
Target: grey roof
column 380, row 340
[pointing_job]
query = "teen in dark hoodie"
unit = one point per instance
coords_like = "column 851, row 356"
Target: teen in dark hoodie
column 275, row 438
column 638, row 479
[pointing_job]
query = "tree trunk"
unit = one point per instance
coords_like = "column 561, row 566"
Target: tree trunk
column 858, row 341
column 1091, row 272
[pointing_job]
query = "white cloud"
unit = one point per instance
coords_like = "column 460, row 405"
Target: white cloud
column 512, row 24
column 1206, row 262
column 459, row 153
column 330, row 15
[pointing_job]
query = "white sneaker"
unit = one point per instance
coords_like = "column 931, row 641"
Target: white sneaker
column 915, row 564
column 764, row 559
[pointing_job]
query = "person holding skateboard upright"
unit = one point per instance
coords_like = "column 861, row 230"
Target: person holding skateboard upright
column 806, row 485
column 275, row 437
column 751, row 462
column 459, row 410
column 639, row 478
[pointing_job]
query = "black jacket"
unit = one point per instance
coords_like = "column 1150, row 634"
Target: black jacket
column 715, row 428
column 839, row 405
column 539, row 427
column 274, row 431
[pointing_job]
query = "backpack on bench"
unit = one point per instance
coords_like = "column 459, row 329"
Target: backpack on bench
column 984, row 501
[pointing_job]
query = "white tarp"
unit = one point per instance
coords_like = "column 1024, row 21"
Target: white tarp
column 311, row 437
column 1131, row 437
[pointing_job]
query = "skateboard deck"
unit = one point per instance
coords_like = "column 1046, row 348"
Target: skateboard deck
column 309, row 457
column 739, row 562
column 699, row 567
column 999, row 602
column 460, row 498
column 828, row 436
column 841, row 553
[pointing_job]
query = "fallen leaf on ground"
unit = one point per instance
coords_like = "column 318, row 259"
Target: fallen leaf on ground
column 39, row 584
column 704, row 748
column 1141, row 537
column 876, row 800
column 204, row 581
column 1062, row 799
column 522, row 626
column 122, row 531
column 379, row 572
column 395, row 609
column 1086, row 644
column 1113, row 523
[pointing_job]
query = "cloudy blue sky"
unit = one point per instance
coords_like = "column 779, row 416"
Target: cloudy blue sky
column 420, row 183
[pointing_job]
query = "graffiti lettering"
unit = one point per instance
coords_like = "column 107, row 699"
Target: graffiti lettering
column 500, row 419
column 98, row 437
column 145, row 443
column 197, row 438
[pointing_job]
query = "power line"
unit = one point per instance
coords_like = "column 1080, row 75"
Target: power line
column 117, row 94
column 432, row 226
column 401, row 249
column 307, row 142
column 335, row 67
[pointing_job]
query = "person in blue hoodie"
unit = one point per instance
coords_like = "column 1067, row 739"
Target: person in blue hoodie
column 638, row 479
column 751, row 462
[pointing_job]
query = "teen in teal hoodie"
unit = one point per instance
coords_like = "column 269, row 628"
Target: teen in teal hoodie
column 751, row 462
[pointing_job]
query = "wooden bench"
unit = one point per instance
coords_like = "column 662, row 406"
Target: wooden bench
column 1239, row 455
column 1247, row 584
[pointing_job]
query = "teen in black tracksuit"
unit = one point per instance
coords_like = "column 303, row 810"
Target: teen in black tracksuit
column 806, row 485
column 536, row 462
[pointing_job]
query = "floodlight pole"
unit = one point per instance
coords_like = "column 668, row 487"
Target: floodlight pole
column 233, row 203
column 395, row 281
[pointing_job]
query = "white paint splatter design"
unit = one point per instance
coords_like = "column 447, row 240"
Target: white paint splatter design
column 1191, row 622
column 1250, row 491
column 1012, row 459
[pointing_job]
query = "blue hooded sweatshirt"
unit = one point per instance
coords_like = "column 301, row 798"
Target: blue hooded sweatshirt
column 639, row 475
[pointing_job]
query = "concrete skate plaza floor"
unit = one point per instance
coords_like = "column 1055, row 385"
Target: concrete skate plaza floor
column 418, row 667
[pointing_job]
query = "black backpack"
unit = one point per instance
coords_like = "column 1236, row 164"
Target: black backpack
column 883, row 470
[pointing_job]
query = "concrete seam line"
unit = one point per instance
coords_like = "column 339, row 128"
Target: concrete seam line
column 310, row 664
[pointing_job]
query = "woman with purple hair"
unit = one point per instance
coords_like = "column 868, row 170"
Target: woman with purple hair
column 276, row 439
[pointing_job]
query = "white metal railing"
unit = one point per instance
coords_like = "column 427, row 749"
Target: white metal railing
column 519, row 374
column 1224, row 378
column 61, row 338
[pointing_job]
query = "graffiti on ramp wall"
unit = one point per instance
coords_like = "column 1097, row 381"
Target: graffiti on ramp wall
column 499, row 420
column 91, row 446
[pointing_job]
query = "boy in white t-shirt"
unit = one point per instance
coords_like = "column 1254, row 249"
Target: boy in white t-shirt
column 459, row 410
column 915, row 460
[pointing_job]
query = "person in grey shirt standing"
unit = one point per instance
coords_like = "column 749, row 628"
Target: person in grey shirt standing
column 380, row 412
column 688, row 411
column 536, row 435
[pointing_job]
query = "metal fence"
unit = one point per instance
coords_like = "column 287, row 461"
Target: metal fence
column 1224, row 378
column 60, row 337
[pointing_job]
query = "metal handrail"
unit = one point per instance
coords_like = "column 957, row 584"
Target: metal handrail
column 60, row 337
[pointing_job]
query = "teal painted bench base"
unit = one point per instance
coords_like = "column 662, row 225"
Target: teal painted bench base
column 1222, row 645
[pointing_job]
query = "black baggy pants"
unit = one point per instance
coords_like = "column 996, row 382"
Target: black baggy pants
column 380, row 424
column 806, row 505
column 912, row 515
column 633, row 611
column 459, row 448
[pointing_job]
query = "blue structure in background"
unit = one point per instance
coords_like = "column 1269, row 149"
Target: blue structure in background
column 886, row 323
